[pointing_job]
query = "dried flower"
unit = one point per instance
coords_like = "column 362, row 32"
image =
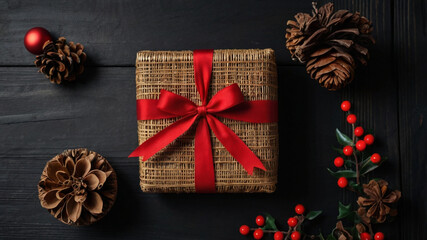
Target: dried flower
column 78, row 187
column 378, row 201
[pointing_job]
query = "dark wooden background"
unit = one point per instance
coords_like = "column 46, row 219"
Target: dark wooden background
column 39, row 120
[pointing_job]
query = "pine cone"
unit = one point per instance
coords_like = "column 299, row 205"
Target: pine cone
column 78, row 187
column 61, row 60
column 331, row 44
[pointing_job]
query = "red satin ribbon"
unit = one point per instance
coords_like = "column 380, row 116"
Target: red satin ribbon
column 228, row 103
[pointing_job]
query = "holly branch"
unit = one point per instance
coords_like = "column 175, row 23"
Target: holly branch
column 376, row 202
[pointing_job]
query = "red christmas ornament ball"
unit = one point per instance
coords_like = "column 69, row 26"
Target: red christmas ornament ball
column 292, row 222
column 244, row 230
column 347, row 150
column 365, row 236
column 379, row 236
column 278, row 235
column 339, row 162
column 35, row 38
column 295, row 235
column 260, row 221
column 358, row 131
column 369, row 139
column 342, row 182
column 299, row 209
column 258, row 234
column 345, row 106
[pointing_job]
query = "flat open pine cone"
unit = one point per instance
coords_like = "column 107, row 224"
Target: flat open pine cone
column 78, row 187
column 331, row 44
column 61, row 60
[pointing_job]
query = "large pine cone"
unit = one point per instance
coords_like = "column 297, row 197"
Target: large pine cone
column 61, row 60
column 331, row 44
column 78, row 187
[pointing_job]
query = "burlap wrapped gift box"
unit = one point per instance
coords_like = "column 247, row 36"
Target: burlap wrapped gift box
column 172, row 169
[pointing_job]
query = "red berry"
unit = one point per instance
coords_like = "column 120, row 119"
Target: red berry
column 358, row 131
column 365, row 236
column 347, row 150
column 295, row 235
column 351, row 118
column 339, row 162
column 360, row 145
column 345, row 106
column 376, row 158
column 278, row 235
column 244, row 230
column 342, row 182
column 258, row 234
column 379, row 236
column 292, row 222
column 299, row 209
column 260, row 221
column 369, row 139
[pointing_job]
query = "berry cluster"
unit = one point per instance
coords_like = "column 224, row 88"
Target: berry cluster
column 357, row 142
column 267, row 225
column 375, row 202
column 353, row 149
column 367, row 236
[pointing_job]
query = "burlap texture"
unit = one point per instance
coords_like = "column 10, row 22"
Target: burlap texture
column 172, row 169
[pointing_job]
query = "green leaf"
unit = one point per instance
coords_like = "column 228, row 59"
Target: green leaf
column 349, row 163
column 320, row 236
column 343, row 173
column 344, row 210
column 365, row 162
column 343, row 139
column 339, row 150
column 355, row 186
column 270, row 223
column 369, row 167
column 313, row 214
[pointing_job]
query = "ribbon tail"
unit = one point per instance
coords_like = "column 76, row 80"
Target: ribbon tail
column 163, row 138
column 235, row 145
column 204, row 166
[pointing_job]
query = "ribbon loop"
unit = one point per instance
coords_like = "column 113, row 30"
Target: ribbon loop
column 175, row 104
column 226, row 98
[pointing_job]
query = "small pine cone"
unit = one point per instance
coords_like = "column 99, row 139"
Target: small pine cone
column 61, row 61
column 331, row 44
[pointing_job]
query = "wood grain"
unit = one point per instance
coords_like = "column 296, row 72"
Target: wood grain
column 373, row 95
column 113, row 31
column 410, row 56
column 39, row 120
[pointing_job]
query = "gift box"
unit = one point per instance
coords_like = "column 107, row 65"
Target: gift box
column 207, row 120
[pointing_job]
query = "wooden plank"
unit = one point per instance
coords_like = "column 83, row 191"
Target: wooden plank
column 373, row 94
column 39, row 119
column 113, row 31
column 410, row 69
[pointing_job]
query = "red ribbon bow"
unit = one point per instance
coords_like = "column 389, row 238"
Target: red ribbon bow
column 228, row 102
